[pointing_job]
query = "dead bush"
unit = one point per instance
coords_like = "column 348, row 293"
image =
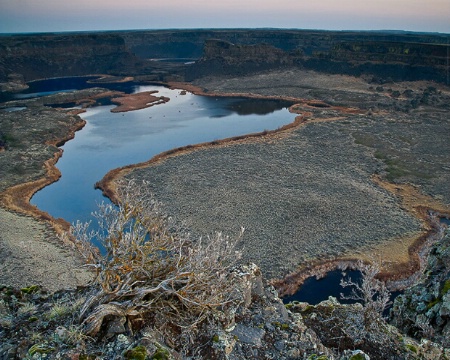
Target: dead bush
column 370, row 291
column 149, row 272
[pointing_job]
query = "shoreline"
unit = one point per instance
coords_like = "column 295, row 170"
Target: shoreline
column 17, row 198
column 106, row 183
column 32, row 251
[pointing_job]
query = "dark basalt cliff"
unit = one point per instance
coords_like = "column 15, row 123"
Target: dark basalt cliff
column 40, row 56
column 222, row 57
column 383, row 60
column 384, row 55
column 400, row 61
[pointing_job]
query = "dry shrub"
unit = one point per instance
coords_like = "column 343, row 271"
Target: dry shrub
column 371, row 291
column 150, row 270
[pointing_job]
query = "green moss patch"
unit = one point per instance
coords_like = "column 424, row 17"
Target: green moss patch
column 137, row 353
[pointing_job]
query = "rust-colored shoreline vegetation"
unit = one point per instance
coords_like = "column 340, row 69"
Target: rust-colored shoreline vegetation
column 17, row 198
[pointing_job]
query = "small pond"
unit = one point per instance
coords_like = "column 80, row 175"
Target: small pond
column 314, row 290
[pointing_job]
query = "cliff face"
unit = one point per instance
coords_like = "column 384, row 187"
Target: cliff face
column 40, row 56
column 384, row 60
column 392, row 51
column 222, row 57
column 400, row 56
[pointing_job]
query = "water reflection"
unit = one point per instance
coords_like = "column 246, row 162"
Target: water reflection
column 111, row 140
column 257, row 106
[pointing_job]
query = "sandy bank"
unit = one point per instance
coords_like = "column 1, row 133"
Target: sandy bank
column 31, row 254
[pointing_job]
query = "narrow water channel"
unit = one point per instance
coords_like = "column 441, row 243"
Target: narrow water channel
column 111, row 140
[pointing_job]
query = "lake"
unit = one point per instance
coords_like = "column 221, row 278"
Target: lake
column 111, row 140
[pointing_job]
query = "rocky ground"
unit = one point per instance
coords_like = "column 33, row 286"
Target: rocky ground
column 308, row 193
column 38, row 325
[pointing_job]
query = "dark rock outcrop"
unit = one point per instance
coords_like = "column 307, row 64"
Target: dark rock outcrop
column 14, row 83
column 41, row 56
column 222, row 58
column 424, row 310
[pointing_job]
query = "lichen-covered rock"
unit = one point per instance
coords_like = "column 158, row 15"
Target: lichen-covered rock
column 345, row 327
column 423, row 311
column 260, row 327
column 354, row 355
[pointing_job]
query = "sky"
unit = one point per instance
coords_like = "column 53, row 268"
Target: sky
column 85, row 15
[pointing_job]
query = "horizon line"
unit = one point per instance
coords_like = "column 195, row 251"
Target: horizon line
column 221, row 28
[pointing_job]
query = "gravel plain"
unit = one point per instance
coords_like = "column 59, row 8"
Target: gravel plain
column 31, row 254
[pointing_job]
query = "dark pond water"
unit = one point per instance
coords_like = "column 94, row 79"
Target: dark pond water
column 111, row 140
column 313, row 290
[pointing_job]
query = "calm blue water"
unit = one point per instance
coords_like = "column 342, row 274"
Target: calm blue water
column 111, row 140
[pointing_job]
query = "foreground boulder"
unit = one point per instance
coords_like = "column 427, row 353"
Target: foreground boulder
column 38, row 325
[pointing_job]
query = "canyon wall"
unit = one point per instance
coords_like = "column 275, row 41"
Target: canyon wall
column 382, row 60
column 189, row 43
column 48, row 55
column 384, row 55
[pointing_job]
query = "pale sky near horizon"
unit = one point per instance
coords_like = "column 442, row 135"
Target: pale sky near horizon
column 84, row 15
